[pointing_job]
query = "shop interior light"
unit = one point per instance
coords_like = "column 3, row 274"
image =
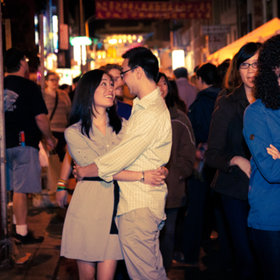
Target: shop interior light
column 178, row 59
column 80, row 41
column 112, row 41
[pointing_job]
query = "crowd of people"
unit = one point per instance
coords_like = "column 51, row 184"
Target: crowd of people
column 159, row 162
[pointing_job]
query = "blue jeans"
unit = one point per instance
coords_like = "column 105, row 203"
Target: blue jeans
column 267, row 247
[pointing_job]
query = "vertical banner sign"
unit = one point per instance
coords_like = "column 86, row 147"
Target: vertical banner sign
column 152, row 10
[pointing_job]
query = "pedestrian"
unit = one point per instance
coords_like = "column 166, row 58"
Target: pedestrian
column 59, row 106
column 261, row 131
column 198, row 221
column 180, row 165
column 89, row 234
column 25, row 122
column 187, row 92
column 145, row 145
column 123, row 108
column 227, row 151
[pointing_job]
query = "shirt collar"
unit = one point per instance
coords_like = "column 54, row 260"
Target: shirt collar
column 146, row 100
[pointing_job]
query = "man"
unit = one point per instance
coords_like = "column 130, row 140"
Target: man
column 186, row 91
column 25, row 120
column 200, row 113
column 201, row 110
column 123, row 108
column 146, row 145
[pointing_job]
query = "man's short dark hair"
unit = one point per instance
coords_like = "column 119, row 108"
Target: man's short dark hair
column 181, row 72
column 144, row 58
column 208, row 73
column 12, row 60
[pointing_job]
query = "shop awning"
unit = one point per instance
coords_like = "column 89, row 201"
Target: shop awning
column 260, row 34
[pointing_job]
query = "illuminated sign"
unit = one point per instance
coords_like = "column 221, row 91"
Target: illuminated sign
column 152, row 10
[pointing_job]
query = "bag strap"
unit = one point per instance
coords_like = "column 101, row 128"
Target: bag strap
column 55, row 106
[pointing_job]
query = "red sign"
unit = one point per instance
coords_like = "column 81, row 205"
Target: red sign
column 152, row 10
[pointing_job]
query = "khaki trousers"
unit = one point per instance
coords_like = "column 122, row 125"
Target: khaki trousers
column 139, row 237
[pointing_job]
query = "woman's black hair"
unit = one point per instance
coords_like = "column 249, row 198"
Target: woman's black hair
column 246, row 52
column 172, row 98
column 84, row 101
column 266, row 81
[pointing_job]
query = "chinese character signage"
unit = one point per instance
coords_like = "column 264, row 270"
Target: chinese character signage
column 152, row 10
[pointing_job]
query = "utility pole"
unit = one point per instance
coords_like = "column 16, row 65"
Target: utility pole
column 82, row 23
column 5, row 243
column 2, row 141
column 42, row 55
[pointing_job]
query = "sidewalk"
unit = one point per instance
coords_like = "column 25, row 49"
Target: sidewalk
column 44, row 256
column 45, row 263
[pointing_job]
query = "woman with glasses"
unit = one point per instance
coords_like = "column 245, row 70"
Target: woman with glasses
column 261, row 131
column 229, row 154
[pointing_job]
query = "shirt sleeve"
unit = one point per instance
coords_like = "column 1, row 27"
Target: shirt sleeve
column 139, row 135
column 258, row 137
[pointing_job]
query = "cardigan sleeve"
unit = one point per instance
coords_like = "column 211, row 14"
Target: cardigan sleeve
column 215, row 155
column 183, row 147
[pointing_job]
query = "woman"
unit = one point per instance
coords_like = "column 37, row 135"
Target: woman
column 228, row 152
column 180, row 164
column 59, row 106
column 89, row 233
column 261, row 131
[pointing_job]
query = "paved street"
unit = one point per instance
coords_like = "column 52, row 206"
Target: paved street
column 44, row 261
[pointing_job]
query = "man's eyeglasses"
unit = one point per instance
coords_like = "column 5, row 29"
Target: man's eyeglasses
column 245, row 65
column 124, row 72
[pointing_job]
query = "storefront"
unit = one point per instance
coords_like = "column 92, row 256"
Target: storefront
column 260, row 34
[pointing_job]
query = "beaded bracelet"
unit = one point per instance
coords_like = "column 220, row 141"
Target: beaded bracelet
column 61, row 189
column 62, row 182
column 61, row 185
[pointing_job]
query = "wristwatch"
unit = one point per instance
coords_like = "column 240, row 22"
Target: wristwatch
column 142, row 177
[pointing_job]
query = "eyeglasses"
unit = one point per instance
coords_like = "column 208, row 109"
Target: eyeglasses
column 245, row 65
column 124, row 72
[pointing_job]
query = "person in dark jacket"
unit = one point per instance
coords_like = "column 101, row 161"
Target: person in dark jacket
column 180, row 164
column 228, row 152
column 198, row 185
column 261, row 130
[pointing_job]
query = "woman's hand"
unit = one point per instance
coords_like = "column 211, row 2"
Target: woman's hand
column 271, row 150
column 242, row 163
column 79, row 171
column 164, row 171
column 76, row 171
column 155, row 177
column 61, row 198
